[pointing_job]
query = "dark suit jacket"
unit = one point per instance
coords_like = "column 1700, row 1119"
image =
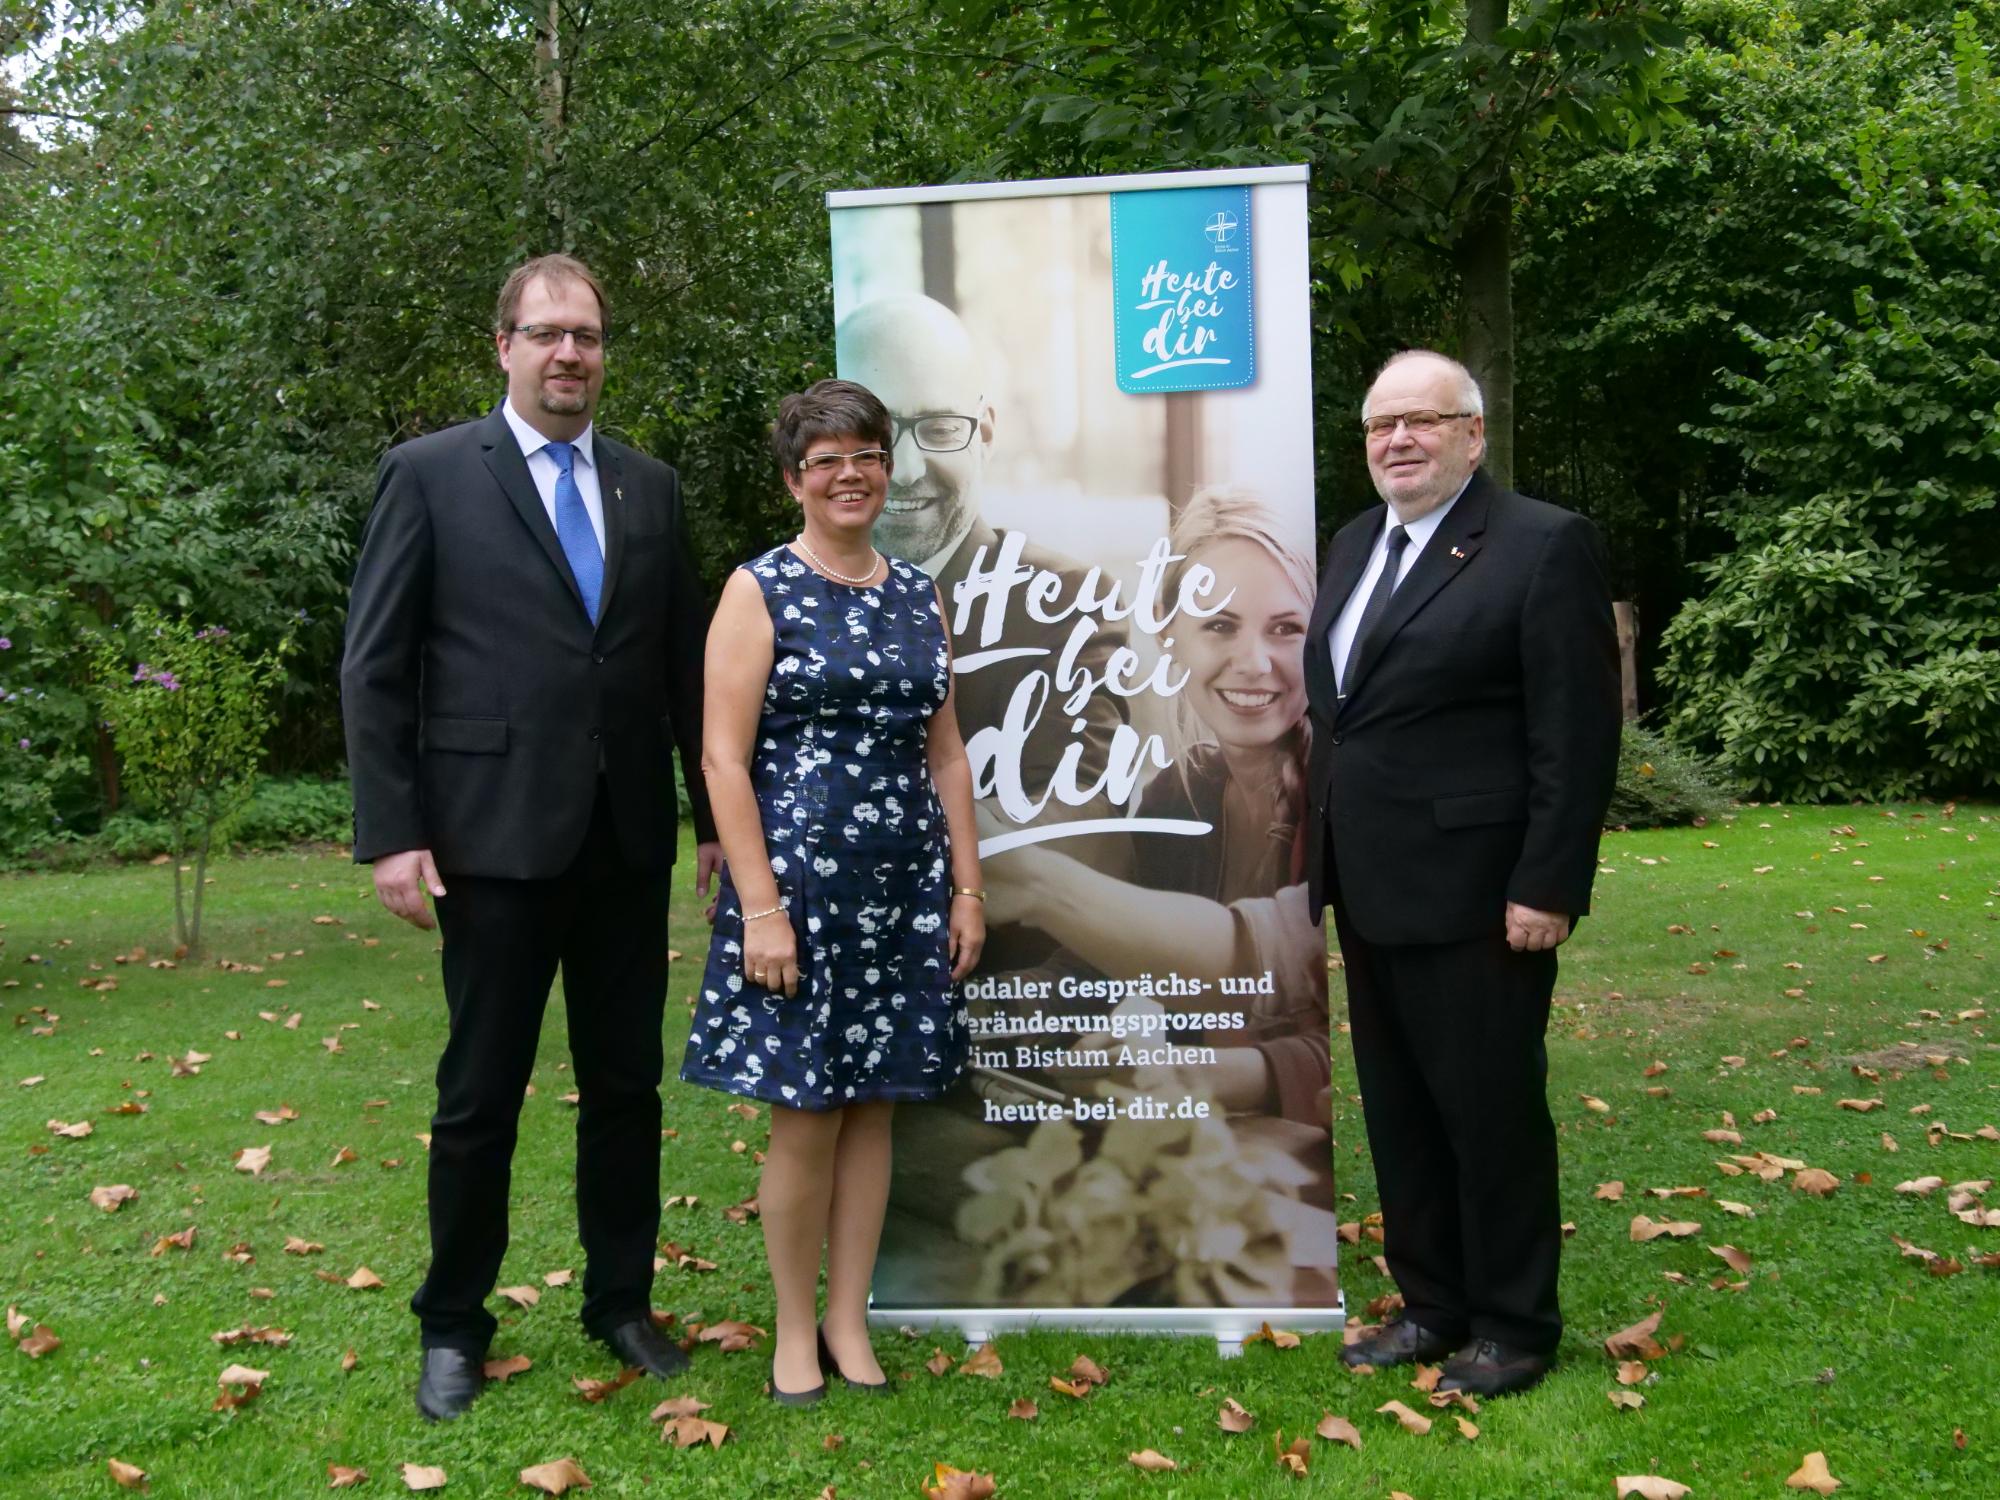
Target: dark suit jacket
column 480, row 704
column 1473, row 756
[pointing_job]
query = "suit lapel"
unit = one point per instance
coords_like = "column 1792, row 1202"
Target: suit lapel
column 1454, row 544
column 611, row 494
column 504, row 460
column 1346, row 561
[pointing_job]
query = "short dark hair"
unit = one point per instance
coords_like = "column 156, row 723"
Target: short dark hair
column 824, row 409
column 557, row 271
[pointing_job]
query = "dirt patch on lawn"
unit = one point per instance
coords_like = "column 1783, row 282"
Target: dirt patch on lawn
column 1911, row 1059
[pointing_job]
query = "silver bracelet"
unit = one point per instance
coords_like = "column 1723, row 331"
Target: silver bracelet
column 751, row 916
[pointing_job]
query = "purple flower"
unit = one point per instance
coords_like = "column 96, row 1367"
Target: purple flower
column 24, row 743
column 5, row 644
column 167, row 681
column 213, row 633
column 144, row 674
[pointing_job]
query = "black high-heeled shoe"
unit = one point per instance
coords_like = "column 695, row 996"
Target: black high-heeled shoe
column 828, row 1362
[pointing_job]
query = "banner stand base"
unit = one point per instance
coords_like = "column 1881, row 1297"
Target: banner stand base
column 1228, row 1326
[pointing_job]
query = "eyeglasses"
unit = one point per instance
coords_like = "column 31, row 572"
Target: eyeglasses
column 551, row 335
column 934, row 432
column 1416, row 423
column 868, row 460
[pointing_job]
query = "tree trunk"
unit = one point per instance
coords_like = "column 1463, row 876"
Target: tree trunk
column 1485, row 257
column 200, row 888
column 552, row 82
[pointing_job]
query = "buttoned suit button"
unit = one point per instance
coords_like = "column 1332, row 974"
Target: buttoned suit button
column 598, row 657
column 597, row 734
column 1336, row 739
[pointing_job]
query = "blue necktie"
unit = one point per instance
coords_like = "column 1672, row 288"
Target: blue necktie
column 573, row 529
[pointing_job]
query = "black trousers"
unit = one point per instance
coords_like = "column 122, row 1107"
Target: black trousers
column 1449, row 1051
column 604, row 924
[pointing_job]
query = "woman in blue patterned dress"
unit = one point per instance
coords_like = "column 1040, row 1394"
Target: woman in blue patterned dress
column 851, row 903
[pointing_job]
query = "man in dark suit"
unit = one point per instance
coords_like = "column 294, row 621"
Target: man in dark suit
column 524, row 649
column 1462, row 671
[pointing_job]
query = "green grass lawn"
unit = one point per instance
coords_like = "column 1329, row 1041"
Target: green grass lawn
column 1753, row 959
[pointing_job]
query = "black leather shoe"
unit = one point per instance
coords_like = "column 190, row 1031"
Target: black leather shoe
column 450, row 1382
column 1398, row 1342
column 828, row 1362
column 1484, row 1368
column 638, row 1343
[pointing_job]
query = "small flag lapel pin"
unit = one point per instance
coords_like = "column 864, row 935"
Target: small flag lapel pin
column 1459, row 553
column 618, row 493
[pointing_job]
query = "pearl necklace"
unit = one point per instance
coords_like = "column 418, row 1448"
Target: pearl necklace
column 874, row 561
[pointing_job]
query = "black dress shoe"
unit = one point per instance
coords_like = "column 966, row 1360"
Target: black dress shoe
column 638, row 1343
column 828, row 1362
column 1484, row 1368
column 1398, row 1342
column 450, row 1382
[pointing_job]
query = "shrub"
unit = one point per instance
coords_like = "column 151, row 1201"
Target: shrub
column 1661, row 785
column 189, row 722
column 298, row 810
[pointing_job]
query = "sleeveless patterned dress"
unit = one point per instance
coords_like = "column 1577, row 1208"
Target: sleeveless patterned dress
column 858, row 843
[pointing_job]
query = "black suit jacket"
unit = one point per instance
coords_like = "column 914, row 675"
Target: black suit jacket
column 480, row 704
column 1473, row 756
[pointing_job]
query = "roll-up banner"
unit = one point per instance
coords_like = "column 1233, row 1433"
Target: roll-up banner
column 1102, row 393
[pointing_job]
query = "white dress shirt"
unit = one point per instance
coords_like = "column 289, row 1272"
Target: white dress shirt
column 1340, row 639
column 543, row 470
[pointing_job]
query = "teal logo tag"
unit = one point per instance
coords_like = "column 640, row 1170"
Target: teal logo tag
column 1181, row 280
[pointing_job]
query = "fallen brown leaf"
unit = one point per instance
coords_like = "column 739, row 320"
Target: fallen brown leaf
column 1609, row 1192
column 1814, row 1180
column 42, row 1341
column 690, row 1432
column 1649, row 1487
column 253, row 1159
column 1626, row 1400
column 341, row 1477
column 984, row 1362
column 114, row 1197
column 520, row 1296
column 1636, row 1342
column 1645, row 1229
column 1087, row 1369
column 1813, row 1475
column 423, row 1477
column 556, row 1478
column 364, row 1280
column 939, row 1363
column 127, row 1476
column 296, row 1246
column 1339, row 1430
column 597, row 1390
column 677, row 1406
column 958, row 1484
column 1151, row 1461
column 1232, row 1417
column 731, row 1336
column 506, row 1368
column 1277, row 1338
column 1737, row 1260
column 1411, row 1421
column 1021, row 1409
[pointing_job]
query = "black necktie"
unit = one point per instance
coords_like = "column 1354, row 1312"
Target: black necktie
column 1378, row 602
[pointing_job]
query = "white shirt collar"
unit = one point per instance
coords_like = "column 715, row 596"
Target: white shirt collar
column 1425, row 526
column 532, row 442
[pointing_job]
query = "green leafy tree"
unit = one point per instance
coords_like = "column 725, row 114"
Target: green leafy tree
column 1849, row 644
column 1422, row 122
column 258, row 243
column 189, row 717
